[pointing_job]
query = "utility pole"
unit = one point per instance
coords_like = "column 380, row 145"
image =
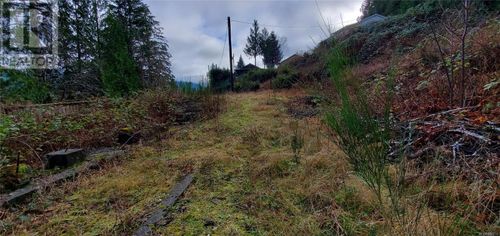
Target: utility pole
column 230, row 52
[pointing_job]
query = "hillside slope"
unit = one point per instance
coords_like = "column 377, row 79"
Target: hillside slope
column 439, row 78
column 421, row 49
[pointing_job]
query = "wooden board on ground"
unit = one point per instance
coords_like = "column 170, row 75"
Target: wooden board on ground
column 162, row 210
column 38, row 185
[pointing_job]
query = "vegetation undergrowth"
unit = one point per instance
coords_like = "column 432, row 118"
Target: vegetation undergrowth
column 248, row 181
column 108, row 201
column 251, row 80
column 365, row 135
column 27, row 134
column 285, row 79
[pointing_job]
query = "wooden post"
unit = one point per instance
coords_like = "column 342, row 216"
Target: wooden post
column 230, row 52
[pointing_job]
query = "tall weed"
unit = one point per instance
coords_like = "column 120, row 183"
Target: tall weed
column 365, row 139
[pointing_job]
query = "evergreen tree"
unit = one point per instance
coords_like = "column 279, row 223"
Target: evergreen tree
column 271, row 49
column 264, row 35
column 145, row 41
column 119, row 71
column 240, row 64
column 85, row 48
column 252, row 47
column 79, row 28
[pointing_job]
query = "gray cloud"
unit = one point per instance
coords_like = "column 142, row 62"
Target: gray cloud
column 196, row 30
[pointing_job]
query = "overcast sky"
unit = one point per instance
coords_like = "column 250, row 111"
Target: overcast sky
column 196, row 30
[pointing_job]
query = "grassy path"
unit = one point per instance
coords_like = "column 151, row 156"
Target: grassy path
column 246, row 181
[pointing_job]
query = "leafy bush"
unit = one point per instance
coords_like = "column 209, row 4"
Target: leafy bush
column 7, row 128
column 219, row 79
column 246, row 84
column 260, row 75
column 285, row 79
column 35, row 132
column 365, row 139
column 23, row 86
column 252, row 79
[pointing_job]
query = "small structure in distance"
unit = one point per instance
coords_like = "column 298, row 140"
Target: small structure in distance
column 291, row 59
column 372, row 19
column 243, row 70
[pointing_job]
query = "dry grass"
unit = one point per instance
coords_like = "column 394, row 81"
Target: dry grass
column 247, row 183
column 108, row 201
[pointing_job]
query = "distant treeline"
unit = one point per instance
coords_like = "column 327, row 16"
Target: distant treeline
column 106, row 47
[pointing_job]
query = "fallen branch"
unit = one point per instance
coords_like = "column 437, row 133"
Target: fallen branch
column 442, row 113
column 469, row 133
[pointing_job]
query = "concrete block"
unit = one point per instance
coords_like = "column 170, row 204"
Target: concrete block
column 64, row 158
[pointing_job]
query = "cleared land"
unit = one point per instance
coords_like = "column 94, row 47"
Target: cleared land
column 246, row 179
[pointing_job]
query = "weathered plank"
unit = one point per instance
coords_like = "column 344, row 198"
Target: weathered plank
column 162, row 211
column 55, row 179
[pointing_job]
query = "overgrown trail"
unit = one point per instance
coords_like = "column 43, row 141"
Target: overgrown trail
column 246, row 180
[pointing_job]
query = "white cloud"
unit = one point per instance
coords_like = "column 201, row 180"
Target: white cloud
column 196, row 30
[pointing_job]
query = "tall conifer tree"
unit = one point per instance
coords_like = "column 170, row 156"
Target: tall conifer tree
column 252, row 47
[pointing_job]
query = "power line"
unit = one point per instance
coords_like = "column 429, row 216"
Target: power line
column 223, row 48
column 278, row 26
column 291, row 27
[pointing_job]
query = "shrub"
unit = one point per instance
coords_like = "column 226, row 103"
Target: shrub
column 219, row 79
column 362, row 138
column 246, row 84
column 23, row 86
column 285, row 79
column 35, row 132
column 260, row 75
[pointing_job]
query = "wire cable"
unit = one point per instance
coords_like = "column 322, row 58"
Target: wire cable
column 278, row 26
column 289, row 27
column 223, row 49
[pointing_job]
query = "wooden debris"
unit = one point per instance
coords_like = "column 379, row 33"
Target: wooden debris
column 472, row 134
column 38, row 185
column 162, row 210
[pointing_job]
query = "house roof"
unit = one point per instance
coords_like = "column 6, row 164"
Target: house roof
column 372, row 19
column 249, row 66
column 290, row 58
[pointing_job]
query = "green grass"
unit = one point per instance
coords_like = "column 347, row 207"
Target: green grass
column 247, row 182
